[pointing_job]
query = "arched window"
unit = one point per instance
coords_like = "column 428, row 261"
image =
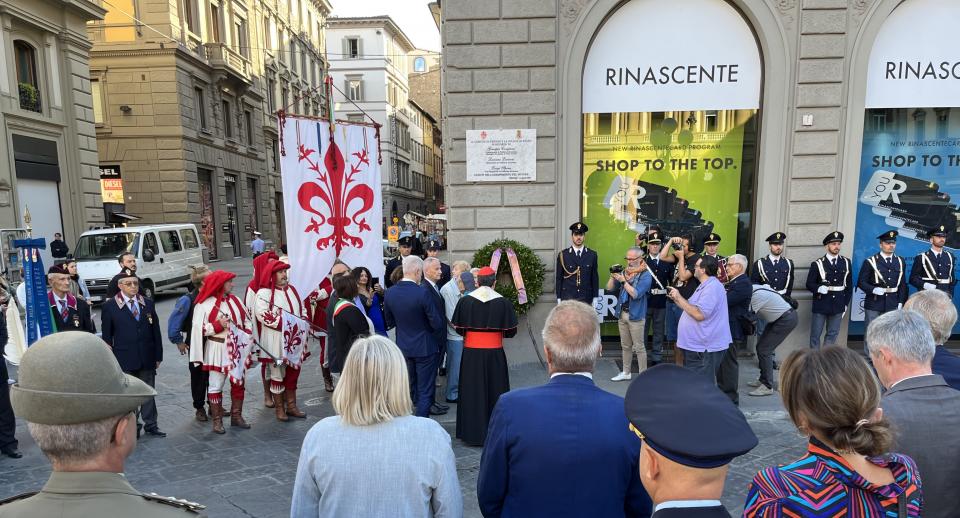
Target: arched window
column 27, row 82
column 419, row 65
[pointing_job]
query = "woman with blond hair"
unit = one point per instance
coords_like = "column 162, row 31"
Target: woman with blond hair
column 832, row 396
column 374, row 458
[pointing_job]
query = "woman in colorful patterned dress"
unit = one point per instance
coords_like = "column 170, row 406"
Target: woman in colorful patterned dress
column 832, row 396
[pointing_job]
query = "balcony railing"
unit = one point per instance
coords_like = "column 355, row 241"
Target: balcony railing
column 221, row 56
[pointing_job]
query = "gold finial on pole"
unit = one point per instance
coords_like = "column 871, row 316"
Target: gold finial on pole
column 27, row 219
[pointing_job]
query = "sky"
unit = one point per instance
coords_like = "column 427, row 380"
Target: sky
column 412, row 16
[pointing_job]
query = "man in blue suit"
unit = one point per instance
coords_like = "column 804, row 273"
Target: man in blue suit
column 432, row 277
column 132, row 330
column 409, row 308
column 564, row 448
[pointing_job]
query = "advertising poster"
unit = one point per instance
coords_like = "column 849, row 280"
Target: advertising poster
column 909, row 182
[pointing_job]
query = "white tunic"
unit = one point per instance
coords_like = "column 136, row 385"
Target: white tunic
column 270, row 318
column 213, row 353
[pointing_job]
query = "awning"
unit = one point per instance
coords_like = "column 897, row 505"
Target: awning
column 417, row 214
column 125, row 216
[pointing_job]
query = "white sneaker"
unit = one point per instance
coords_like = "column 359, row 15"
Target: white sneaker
column 623, row 376
column 762, row 390
column 754, row 384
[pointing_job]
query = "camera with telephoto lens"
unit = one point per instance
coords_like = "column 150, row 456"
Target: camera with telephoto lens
column 677, row 246
column 617, row 268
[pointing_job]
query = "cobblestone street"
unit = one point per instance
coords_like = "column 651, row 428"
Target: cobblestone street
column 251, row 472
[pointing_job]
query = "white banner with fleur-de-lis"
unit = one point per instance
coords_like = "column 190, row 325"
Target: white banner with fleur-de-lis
column 332, row 198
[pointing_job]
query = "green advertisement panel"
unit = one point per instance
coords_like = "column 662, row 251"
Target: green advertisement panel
column 683, row 172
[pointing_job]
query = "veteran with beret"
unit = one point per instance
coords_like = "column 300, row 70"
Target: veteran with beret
column 68, row 312
column 79, row 408
column 685, row 449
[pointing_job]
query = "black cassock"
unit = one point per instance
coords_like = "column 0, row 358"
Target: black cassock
column 484, row 318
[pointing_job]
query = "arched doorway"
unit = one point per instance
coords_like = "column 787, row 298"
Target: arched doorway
column 670, row 125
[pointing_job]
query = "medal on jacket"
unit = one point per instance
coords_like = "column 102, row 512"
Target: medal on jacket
column 149, row 319
column 76, row 320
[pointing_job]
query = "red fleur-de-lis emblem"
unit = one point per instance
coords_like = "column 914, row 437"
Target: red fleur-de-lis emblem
column 270, row 317
column 345, row 199
column 291, row 338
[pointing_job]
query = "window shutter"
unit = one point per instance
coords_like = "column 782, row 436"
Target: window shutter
column 345, row 43
column 359, row 47
column 360, row 95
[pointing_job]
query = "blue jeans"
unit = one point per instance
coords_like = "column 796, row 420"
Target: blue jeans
column 454, row 351
column 656, row 317
column 817, row 322
column 673, row 320
column 706, row 363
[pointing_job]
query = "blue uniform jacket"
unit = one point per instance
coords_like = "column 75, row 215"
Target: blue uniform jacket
column 839, row 276
column 136, row 344
column 577, row 278
column 664, row 273
column 561, row 449
column 779, row 277
column 408, row 304
column 893, row 277
column 941, row 267
column 739, row 293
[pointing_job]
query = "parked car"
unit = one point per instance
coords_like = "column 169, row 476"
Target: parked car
column 164, row 255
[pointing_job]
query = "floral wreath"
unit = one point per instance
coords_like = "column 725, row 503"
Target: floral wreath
column 532, row 270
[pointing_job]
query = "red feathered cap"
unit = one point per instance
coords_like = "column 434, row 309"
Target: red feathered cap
column 258, row 263
column 266, row 273
column 213, row 284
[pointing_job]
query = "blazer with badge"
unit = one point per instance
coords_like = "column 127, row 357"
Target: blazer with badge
column 925, row 414
column 78, row 314
column 521, row 473
column 838, row 281
column 137, row 344
column 420, row 321
column 577, row 278
column 875, row 273
column 779, row 277
column 939, row 271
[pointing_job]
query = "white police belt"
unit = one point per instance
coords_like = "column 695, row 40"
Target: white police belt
column 890, row 290
column 836, row 288
column 944, row 281
column 782, row 292
column 658, row 292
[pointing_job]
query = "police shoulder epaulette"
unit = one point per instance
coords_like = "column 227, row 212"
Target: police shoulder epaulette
column 175, row 502
column 14, row 498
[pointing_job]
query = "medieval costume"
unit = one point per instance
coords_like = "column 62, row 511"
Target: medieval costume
column 316, row 310
column 214, row 303
column 249, row 296
column 484, row 318
column 270, row 305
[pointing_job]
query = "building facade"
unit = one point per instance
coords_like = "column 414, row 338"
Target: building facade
column 185, row 95
column 46, row 119
column 811, row 117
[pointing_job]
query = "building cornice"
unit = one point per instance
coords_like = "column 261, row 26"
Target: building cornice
column 375, row 22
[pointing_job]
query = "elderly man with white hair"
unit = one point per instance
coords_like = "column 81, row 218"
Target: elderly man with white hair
column 781, row 319
column 937, row 307
column 923, row 409
column 419, row 320
column 739, row 290
column 563, row 448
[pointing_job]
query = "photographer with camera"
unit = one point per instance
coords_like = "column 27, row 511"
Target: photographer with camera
column 633, row 285
column 679, row 252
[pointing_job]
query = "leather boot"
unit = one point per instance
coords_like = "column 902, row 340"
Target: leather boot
column 218, row 418
column 267, row 398
column 201, row 415
column 327, row 379
column 278, row 407
column 236, row 414
column 290, row 397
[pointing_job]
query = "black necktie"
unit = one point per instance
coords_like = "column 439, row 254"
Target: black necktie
column 833, row 262
column 889, row 261
column 775, row 261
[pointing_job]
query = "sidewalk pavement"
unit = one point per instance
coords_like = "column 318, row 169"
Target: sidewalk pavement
column 251, row 472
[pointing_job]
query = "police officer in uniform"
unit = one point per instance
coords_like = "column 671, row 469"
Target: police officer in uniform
column 70, row 313
column 933, row 269
column 433, row 250
column 685, row 448
column 710, row 244
column 71, row 385
column 774, row 270
column 883, row 280
column 657, row 299
column 405, row 245
column 830, row 281
column 577, row 276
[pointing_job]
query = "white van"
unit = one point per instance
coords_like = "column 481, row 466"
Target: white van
column 164, row 255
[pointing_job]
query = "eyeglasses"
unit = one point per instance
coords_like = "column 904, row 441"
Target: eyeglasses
column 129, row 283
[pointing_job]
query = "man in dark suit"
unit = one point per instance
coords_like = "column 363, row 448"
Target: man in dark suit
column 58, row 249
column 405, row 245
column 685, row 449
column 883, row 280
column 132, row 330
column 432, row 273
column 829, row 280
column 409, row 308
column 739, row 291
column 433, row 250
column 128, row 265
column 69, row 312
column 923, row 409
column 934, row 269
column 577, row 277
column 568, row 437
column 937, row 307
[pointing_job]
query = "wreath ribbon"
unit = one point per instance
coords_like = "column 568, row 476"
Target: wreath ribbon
column 514, row 271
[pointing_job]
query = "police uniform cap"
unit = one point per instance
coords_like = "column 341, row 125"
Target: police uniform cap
column 777, row 238
column 405, row 241
column 433, row 244
column 653, row 238
column 890, row 235
column 711, row 239
column 579, row 228
column 938, row 231
column 681, row 415
column 72, row 377
column 833, row 237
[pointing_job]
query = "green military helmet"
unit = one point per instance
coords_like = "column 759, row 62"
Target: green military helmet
column 72, row 377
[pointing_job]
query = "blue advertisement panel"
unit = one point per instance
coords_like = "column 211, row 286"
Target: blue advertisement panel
column 909, row 182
